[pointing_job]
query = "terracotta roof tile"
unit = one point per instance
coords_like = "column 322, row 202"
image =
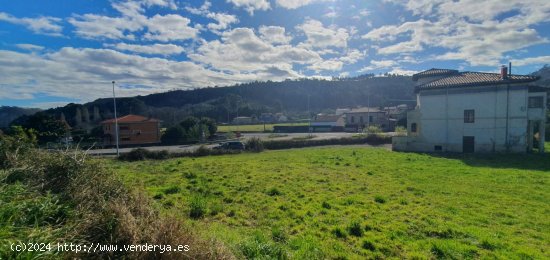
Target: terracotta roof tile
column 472, row 79
column 131, row 119
column 433, row 73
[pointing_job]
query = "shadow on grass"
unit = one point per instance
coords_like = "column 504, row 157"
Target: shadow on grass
column 538, row 162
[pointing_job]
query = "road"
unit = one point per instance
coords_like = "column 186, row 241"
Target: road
column 263, row 136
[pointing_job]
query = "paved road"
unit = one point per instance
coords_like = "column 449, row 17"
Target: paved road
column 264, row 136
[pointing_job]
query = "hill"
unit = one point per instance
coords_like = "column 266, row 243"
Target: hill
column 8, row 114
column 250, row 99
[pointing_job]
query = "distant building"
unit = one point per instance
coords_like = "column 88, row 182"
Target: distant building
column 133, row 129
column 329, row 120
column 267, row 118
column 341, row 111
column 360, row 118
column 475, row 112
column 243, row 120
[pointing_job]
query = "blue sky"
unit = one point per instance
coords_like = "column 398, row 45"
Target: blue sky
column 61, row 51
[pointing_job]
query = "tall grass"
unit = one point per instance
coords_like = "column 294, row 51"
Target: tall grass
column 67, row 197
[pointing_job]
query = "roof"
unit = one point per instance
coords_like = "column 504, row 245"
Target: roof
column 131, row 119
column 473, row 79
column 327, row 118
column 365, row 110
column 433, row 72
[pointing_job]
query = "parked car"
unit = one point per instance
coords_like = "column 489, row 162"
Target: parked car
column 233, row 145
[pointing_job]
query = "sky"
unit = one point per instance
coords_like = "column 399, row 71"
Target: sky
column 61, row 51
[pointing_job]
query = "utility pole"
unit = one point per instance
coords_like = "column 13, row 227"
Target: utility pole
column 308, row 115
column 116, row 119
column 368, row 107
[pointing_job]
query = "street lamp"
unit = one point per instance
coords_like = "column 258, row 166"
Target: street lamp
column 116, row 119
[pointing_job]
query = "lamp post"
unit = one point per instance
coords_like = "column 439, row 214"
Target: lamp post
column 116, row 119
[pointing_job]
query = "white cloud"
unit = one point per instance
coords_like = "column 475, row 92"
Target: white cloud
column 469, row 30
column 293, row 4
column 274, row 34
column 29, row 47
column 379, row 64
column 223, row 20
column 251, row 5
column 85, row 74
column 328, row 65
column 319, row 36
column 241, row 50
column 170, row 27
column 532, row 60
column 158, row 49
column 41, row 25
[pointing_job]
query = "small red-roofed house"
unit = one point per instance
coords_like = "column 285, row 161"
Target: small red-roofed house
column 133, row 129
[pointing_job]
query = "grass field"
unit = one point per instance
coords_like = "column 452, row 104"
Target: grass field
column 358, row 203
column 252, row 128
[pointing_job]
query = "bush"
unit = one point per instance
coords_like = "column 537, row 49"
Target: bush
column 79, row 201
column 140, row 154
column 379, row 199
column 274, row 192
column 373, row 129
column 197, row 207
column 339, row 233
column 355, row 229
column 287, row 144
column 254, row 144
column 401, row 131
column 369, row 245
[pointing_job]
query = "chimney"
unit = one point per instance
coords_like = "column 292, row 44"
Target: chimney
column 503, row 72
column 510, row 68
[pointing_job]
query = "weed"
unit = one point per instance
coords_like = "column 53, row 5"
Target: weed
column 197, row 207
column 379, row 199
column 274, row 192
column 355, row 229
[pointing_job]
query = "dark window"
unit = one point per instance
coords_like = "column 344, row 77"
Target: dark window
column 125, row 138
column 370, row 119
column 413, row 128
column 536, row 102
column 123, row 128
column 438, row 148
column 352, row 119
column 469, row 116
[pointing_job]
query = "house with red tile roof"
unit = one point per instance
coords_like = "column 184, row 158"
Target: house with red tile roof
column 133, row 130
column 475, row 112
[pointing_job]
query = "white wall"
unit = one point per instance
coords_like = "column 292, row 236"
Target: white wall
column 442, row 118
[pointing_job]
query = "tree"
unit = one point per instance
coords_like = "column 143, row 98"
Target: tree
column 48, row 129
column 189, row 122
column 174, row 135
column 210, row 124
column 97, row 117
column 85, row 114
column 78, row 117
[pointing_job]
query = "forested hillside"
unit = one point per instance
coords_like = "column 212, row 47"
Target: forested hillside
column 224, row 103
column 8, row 114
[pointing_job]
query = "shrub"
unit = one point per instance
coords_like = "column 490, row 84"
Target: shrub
column 140, row 154
column 355, row 229
column 254, row 144
column 373, row 129
column 325, row 205
column 197, row 207
column 339, row 233
column 273, row 192
column 401, row 131
column 368, row 139
column 368, row 245
column 379, row 199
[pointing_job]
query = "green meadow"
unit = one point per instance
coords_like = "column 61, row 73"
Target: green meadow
column 254, row 128
column 357, row 202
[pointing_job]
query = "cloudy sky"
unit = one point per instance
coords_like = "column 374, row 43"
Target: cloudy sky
column 61, row 51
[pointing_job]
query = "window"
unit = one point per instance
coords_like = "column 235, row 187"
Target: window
column 469, row 116
column 123, row 128
column 413, row 128
column 361, row 119
column 125, row 139
column 438, row 148
column 536, row 102
column 370, row 119
column 352, row 119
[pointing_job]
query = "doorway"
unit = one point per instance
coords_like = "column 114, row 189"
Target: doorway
column 468, row 144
